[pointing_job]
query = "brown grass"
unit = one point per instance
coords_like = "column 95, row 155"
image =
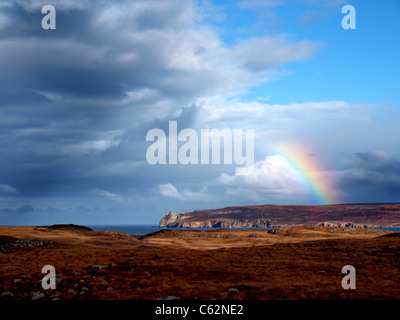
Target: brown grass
column 289, row 263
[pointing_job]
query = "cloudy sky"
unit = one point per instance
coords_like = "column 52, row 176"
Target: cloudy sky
column 77, row 102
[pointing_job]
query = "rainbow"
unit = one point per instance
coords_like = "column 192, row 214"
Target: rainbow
column 317, row 185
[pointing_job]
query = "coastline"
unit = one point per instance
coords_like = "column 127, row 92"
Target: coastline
column 144, row 229
column 154, row 228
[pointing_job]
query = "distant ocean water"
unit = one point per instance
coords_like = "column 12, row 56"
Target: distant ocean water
column 139, row 230
column 145, row 229
column 389, row 229
column 128, row 229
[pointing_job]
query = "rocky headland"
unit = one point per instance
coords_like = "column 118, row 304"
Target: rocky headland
column 379, row 215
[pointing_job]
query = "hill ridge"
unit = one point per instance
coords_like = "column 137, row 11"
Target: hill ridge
column 368, row 215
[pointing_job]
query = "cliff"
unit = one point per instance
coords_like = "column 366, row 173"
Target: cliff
column 379, row 215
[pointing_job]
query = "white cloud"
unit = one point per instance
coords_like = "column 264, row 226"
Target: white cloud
column 245, row 4
column 327, row 126
column 107, row 194
column 271, row 176
column 109, row 139
column 217, row 109
column 8, row 189
column 256, row 4
column 5, row 21
column 260, row 54
column 276, row 180
column 58, row 4
column 169, row 190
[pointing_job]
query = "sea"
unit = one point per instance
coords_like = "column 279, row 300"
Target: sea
column 138, row 230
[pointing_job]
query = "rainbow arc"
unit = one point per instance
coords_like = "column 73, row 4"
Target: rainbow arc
column 317, row 183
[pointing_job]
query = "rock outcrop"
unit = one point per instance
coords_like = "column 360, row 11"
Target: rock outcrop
column 169, row 218
column 67, row 227
column 379, row 215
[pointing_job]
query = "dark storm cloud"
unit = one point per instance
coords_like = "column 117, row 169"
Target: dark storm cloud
column 373, row 177
column 14, row 96
column 378, row 161
column 65, row 108
column 21, row 210
column 99, row 50
column 25, row 21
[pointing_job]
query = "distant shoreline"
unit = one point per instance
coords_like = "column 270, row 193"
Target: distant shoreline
column 144, row 229
column 155, row 228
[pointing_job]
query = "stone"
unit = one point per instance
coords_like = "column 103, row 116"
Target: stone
column 254, row 235
column 6, row 294
column 170, row 297
column 37, row 296
column 100, row 266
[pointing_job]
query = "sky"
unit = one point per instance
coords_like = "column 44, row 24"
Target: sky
column 77, row 104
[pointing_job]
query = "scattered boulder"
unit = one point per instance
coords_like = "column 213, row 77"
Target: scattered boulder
column 170, row 297
column 100, row 266
column 5, row 294
column 233, row 290
column 84, row 289
column 37, row 296
column 254, row 235
column 11, row 243
column 6, row 239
